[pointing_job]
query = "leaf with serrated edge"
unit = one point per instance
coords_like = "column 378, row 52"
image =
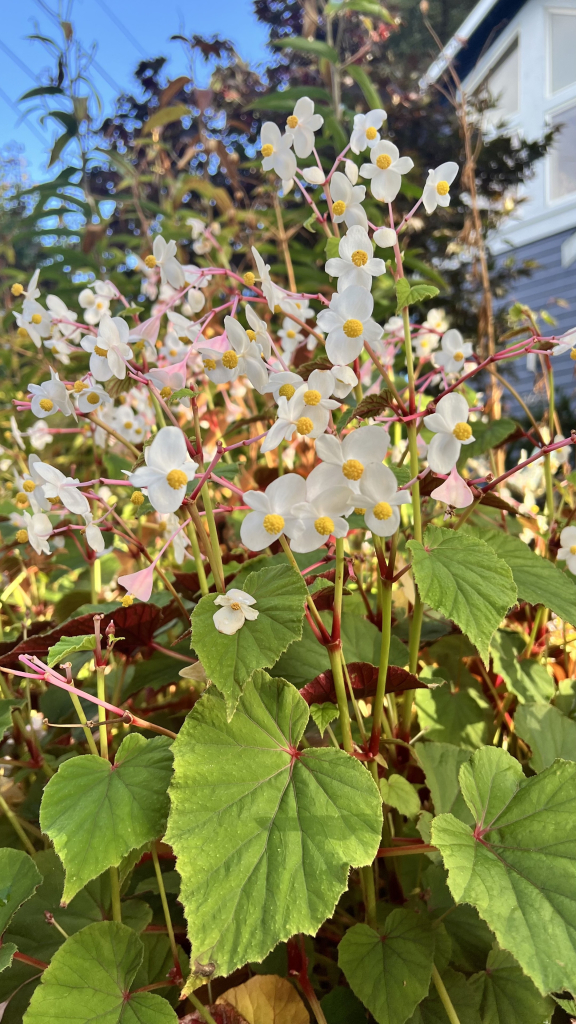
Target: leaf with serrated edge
column 68, row 645
column 95, row 813
column 229, row 661
column 548, row 733
column 462, row 578
column 506, row 995
column 249, row 819
column 267, row 999
column 89, row 980
column 441, row 763
column 399, row 793
column 19, row 878
column 389, row 973
column 527, row 679
column 323, row 714
column 518, row 867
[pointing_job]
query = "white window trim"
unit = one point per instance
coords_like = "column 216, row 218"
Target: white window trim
column 568, row 104
column 568, row 89
column 484, row 68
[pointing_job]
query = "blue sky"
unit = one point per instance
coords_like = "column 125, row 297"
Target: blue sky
column 144, row 30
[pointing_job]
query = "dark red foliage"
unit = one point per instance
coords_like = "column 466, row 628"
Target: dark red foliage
column 223, row 1013
column 364, row 678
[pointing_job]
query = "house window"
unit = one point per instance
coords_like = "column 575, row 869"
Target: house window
column 563, row 155
column 502, row 83
column 562, row 50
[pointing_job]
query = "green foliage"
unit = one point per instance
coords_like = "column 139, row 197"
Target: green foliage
column 461, row 717
column 19, row 878
column 399, row 793
column 323, row 714
column 409, row 294
column 441, row 763
column 526, row 678
column 538, row 580
column 548, row 733
column 6, row 713
column 507, row 996
column 249, row 816
column 68, row 645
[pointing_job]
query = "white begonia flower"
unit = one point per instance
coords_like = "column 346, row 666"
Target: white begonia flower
column 346, row 199
column 436, row 319
column 267, row 286
column 386, row 238
column 164, row 255
column 96, row 304
column 302, row 124
column 355, row 264
column 307, row 411
column 386, row 170
column 236, row 608
column 345, row 379
column 92, row 397
column 320, row 514
column 567, row 343
column 291, row 336
column 272, row 511
column 454, row 352
column 36, row 321
column 109, row 350
column 451, row 431
column 39, row 435
column 258, row 331
column 180, row 539
column 65, row 488
column 380, row 498
column 184, row 328
column 277, row 152
column 314, row 175
column 567, row 549
column 51, row 396
column 127, row 422
column 359, row 449
column 244, row 358
column 33, row 486
column 283, row 385
column 167, row 471
column 366, row 130
column 297, row 306
column 424, row 343
column 33, row 291
column 60, row 311
column 59, row 348
column 394, row 324
column 173, row 349
column 39, row 528
column 351, row 171
column 94, row 538
column 348, row 324
column 437, row 188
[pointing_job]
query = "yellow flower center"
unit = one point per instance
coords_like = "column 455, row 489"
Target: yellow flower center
column 359, row 511
column 128, row 599
column 137, row 498
column 458, row 357
column 292, row 121
column 382, row 510
column 324, row 526
column 304, row 425
column 424, row 344
column 21, row 536
column 249, row 278
column 36, row 318
column 99, row 351
column 209, row 364
column 287, row 390
column 21, row 499
column 93, row 398
column 173, row 352
column 46, row 404
column 138, row 347
column 573, row 549
column 17, row 290
column 462, row 431
column 176, row 479
column 251, row 335
column 312, row 398
column 230, row 359
column 352, row 328
column 267, row 149
column 22, row 333
column 359, row 258
column 128, row 425
column 273, row 523
column 371, row 134
column 79, row 385
column 573, row 354
column 352, row 469
column 150, row 262
column 339, row 208
column 290, row 334
column 383, row 161
column 442, row 188
column 29, row 486
column 166, row 392
column 236, row 606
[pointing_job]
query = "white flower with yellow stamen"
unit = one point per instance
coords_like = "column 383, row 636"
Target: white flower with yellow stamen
column 437, row 188
column 277, row 152
column 366, row 132
column 567, row 549
column 173, row 349
column 344, row 380
column 291, row 336
column 32, row 485
column 129, row 425
column 380, row 498
column 451, row 431
column 65, row 488
column 49, row 397
column 258, row 331
column 386, row 170
column 283, row 385
column 302, row 124
column 96, row 304
column 360, row 448
column 94, row 538
column 271, row 516
column 320, row 515
column 355, row 264
column 164, row 257
column 236, row 607
column 90, row 396
column 295, row 416
column 454, row 352
column 35, row 321
column 269, row 290
column 348, row 324
column 167, row 471
column 243, row 358
column 346, row 199
column 33, row 530
column 109, row 351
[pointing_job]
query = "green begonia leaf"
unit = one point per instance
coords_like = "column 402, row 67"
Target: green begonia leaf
column 507, row 996
column 538, row 580
column 6, row 713
column 341, row 1006
column 252, row 816
column 95, row 813
column 399, row 793
column 19, row 878
column 518, row 866
column 462, row 717
column 280, row 593
column 7, row 951
column 68, row 645
column 547, row 732
column 441, row 763
column 463, row 999
column 528, row 679
column 470, row 937
column 463, row 578
column 391, row 972
column 323, row 714
column 90, row 978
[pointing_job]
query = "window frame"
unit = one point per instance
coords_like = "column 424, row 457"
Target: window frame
column 569, row 197
column 550, row 12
